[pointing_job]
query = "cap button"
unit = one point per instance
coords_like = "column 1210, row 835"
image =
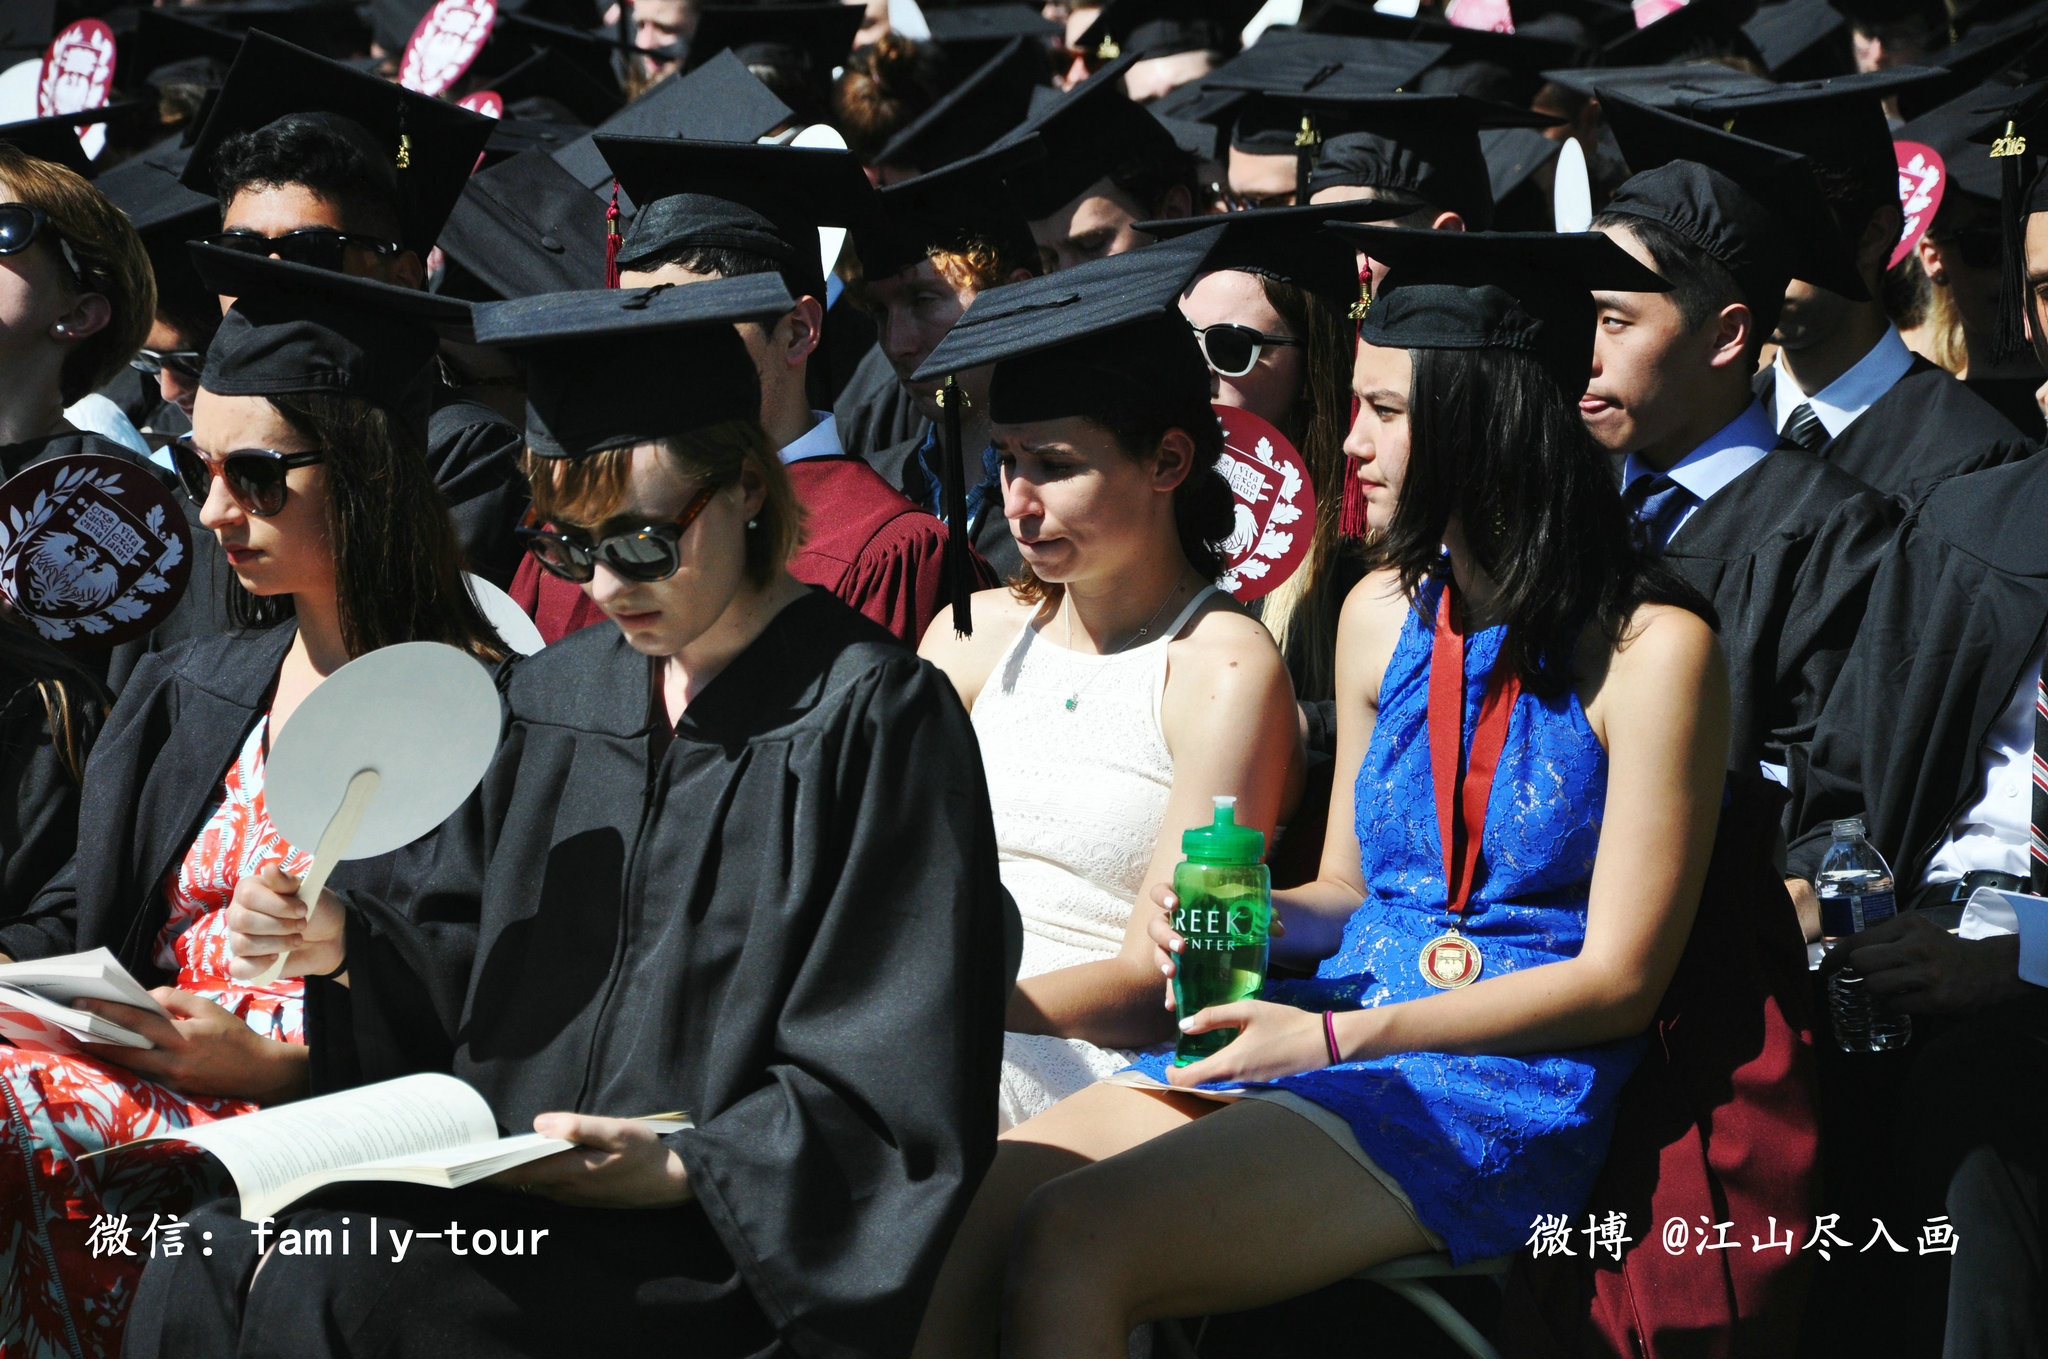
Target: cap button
column 550, row 243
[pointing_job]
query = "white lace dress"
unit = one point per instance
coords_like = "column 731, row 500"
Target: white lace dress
column 1079, row 797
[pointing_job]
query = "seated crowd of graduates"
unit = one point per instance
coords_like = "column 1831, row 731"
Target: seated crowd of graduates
column 837, row 395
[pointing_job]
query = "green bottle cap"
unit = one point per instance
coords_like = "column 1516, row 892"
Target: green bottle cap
column 1223, row 841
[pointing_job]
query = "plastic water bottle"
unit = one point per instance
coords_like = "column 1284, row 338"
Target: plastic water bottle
column 1855, row 893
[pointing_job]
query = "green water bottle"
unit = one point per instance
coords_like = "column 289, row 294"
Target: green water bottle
column 1224, row 910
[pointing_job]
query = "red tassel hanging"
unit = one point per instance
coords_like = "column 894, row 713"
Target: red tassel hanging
column 611, row 240
column 1351, row 516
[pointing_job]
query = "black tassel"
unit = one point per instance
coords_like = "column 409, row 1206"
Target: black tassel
column 1306, row 143
column 958, row 569
column 2008, row 338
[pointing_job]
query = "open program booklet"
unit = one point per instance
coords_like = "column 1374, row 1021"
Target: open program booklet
column 424, row 1129
column 36, row 996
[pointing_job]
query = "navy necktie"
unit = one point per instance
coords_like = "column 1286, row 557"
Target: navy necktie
column 1656, row 501
column 1805, row 429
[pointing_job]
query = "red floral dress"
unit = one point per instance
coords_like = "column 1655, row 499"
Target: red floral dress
column 74, row 1235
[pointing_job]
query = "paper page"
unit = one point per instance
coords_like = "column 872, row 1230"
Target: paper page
column 40, row 1024
column 1138, row 1080
column 410, row 1116
column 97, row 975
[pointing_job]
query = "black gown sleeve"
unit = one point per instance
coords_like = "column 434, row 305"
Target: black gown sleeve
column 39, row 818
column 474, row 453
column 838, row 1182
column 1830, row 592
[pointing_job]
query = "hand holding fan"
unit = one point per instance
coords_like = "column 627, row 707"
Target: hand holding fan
column 380, row 754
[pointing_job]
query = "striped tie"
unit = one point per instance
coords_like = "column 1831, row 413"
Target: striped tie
column 2037, row 838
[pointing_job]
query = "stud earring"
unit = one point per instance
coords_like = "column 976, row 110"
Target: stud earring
column 753, row 523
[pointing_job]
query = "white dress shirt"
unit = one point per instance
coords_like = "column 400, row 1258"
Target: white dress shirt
column 1848, row 396
column 821, row 442
column 1993, row 833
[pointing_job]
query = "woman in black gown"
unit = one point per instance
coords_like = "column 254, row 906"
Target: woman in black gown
column 734, row 858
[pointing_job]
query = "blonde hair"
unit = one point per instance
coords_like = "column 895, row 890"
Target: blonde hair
column 109, row 259
column 587, row 491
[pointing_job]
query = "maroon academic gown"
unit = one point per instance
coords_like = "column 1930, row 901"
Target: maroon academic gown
column 863, row 540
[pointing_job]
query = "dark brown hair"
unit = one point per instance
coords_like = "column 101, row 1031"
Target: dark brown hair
column 885, row 87
column 74, row 703
column 397, row 562
column 587, row 491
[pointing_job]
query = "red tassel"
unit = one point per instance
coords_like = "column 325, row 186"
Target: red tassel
column 611, row 240
column 1351, row 516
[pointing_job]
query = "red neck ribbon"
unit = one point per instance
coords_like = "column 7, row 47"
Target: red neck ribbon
column 1461, row 794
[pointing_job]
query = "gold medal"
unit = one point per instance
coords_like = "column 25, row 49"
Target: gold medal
column 1449, row 961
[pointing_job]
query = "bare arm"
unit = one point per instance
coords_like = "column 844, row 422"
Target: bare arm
column 969, row 661
column 1230, row 723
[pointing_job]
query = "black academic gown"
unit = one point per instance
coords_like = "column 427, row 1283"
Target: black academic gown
column 38, row 797
column 786, row 921
column 473, row 453
column 1785, row 553
column 1927, row 427
column 899, row 466
column 1956, row 609
column 153, row 779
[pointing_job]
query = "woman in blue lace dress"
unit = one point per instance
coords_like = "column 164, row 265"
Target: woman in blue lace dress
column 1451, row 1072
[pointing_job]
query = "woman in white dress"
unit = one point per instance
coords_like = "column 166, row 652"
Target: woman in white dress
column 1115, row 691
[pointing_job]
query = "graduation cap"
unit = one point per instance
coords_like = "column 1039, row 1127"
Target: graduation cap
column 166, row 215
column 429, row 147
column 55, row 139
column 1093, row 339
column 329, row 27
column 1287, row 244
column 615, row 367
column 1161, row 28
column 1524, row 290
column 2010, row 50
column 767, row 200
column 1668, row 87
column 2014, row 135
column 1801, row 40
column 720, row 101
column 1089, row 132
column 523, row 226
column 949, row 209
column 164, row 44
column 26, row 27
column 1421, row 146
column 547, row 74
column 1950, row 129
column 1514, row 156
column 1531, row 47
column 1837, row 122
column 1700, row 29
column 971, row 116
column 295, row 329
column 1753, row 208
column 810, row 39
column 975, row 32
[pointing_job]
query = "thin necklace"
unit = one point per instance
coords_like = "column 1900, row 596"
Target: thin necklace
column 1074, row 699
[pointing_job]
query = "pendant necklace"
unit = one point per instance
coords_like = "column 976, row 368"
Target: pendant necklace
column 1074, row 699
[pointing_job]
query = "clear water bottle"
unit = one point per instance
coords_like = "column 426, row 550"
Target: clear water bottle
column 1855, row 893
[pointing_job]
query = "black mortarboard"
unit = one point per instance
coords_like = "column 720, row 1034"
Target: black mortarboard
column 295, row 329
column 1838, row 122
column 2015, row 134
column 166, row 215
column 521, row 227
column 2010, row 49
column 26, row 27
column 1951, row 128
column 1161, row 28
column 810, row 39
column 948, row 209
column 1423, row 146
column 1668, row 87
column 971, row 116
column 974, row 32
column 1529, row 47
column 1089, row 132
column 165, row 40
column 1753, row 208
column 328, row 27
column 520, row 34
column 1801, row 40
column 720, row 101
column 764, row 199
column 1528, row 291
column 1699, row 30
column 547, row 74
column 1288, row 244
column 55, row 139
column 1514, row 155
column 615, row 367
column 429, row 147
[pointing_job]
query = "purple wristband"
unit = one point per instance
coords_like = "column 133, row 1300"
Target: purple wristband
column 1330, row 1036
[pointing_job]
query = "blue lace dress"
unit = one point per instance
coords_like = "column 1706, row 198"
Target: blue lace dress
column 1482, row 1145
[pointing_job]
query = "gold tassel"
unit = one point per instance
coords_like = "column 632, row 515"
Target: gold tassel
column 1108, row 50
column 404, row 151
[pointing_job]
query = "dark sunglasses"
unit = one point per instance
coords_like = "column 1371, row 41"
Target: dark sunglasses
column 643, row 554
column 1979, row 247
column 20, row 224
column 184, row 362
column 255, row 477
column 319, row 247
column 1233, row 350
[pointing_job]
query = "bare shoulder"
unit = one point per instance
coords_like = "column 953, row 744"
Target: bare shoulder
column 1376, row 607
column 1664, row 643
column 968, row 661
column 1226, row 644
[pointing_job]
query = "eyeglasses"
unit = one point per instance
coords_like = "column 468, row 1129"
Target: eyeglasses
column 1979, row 247
column 184, row 362
column 642, row 554
column 1234, row 201
column 319, row 247
column 1233, row 350
column 21, row 223
column 255, row 477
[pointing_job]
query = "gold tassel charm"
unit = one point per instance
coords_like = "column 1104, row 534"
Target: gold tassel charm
column 2009, row 144
column 1108, row 50
column 1308, row 136
column 404, row 151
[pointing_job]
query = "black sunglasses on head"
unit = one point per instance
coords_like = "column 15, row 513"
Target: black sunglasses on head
column 255, row 477
column 20, row 224
column 319, row 247
column 1232, row 350
column 644, row 554
column 184, row 362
